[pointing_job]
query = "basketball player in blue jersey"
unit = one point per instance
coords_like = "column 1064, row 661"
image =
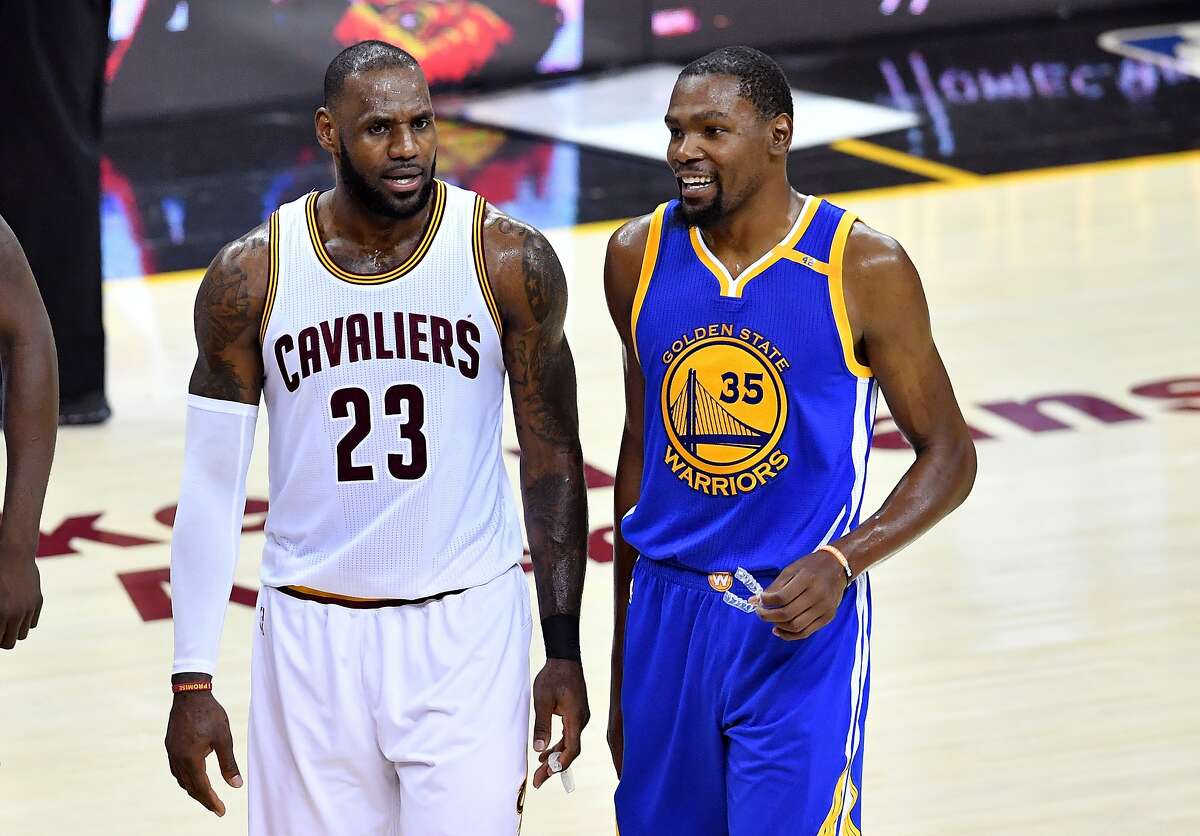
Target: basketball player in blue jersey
column 379, row 321
column 759, row 326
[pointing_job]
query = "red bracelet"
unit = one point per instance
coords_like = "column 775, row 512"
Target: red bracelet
column 184, row 687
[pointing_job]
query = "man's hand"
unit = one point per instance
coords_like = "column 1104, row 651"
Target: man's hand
column 20, row 595
column 199, row 725
column 558, row 689
column 805, row 596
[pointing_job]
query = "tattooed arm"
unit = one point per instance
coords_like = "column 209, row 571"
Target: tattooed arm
column 226, row 383
column 531, row 292
column 228, row 311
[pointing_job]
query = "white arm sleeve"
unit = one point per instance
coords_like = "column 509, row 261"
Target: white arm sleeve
column 208, row 526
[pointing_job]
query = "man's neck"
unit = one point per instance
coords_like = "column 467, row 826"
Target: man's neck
column 354, row 222
column 758, row 224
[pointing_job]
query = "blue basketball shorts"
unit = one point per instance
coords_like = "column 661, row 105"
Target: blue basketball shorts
column 731, row 731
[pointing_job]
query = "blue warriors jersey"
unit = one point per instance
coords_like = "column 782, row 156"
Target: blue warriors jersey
column 758, row 418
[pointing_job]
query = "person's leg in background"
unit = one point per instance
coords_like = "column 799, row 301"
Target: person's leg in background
column 52, row 82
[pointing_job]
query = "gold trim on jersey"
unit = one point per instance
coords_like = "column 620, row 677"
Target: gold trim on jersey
column 481, row 273
column 438, row 201
column 806, row 260
column 272, row 274
column 735, row 287
column 649, row 259
column 332, row 596
column 837, row 298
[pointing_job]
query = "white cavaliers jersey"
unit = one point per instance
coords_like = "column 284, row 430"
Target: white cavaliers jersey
column 384, row 400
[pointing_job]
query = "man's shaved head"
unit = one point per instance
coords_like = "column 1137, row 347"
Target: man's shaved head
column 363, row 57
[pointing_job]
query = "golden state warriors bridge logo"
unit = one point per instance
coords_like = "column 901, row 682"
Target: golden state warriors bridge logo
column 724, row 407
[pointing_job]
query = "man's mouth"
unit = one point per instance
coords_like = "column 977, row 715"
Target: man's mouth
column 696, row 185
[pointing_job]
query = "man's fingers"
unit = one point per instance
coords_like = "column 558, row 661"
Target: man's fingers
column 788, row 611
column 571, row 743
column 543, row 710
column 557, row 747
column 8, row 634
column 801, row 628
column 24, row 631
column 782, row 591
column 195, row 780
column 226, row 761
column 36, row 615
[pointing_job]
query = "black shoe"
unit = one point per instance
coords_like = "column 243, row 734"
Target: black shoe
column 91, row 408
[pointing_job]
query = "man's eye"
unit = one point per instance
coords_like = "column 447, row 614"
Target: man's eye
column 377, row 129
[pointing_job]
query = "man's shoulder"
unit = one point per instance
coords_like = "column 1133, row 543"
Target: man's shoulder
column 246, row 258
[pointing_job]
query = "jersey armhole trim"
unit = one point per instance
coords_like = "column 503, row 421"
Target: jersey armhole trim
column 649, row 260
column 837, row 297
column 485, row 284
column 272, row 275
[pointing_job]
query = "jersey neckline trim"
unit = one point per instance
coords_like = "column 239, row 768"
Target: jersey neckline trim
column 432, row 224
column 734, row 286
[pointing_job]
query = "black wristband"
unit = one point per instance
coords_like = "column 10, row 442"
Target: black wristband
column 561, row 634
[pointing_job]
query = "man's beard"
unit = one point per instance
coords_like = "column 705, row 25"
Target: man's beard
column 377, row 199
column 707, row 214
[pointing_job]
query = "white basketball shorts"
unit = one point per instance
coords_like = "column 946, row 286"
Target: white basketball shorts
column 408, row 720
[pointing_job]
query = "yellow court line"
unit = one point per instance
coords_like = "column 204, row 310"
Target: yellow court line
column 173, row 276
column 881, row 193
column 904, row 162
column 1004, row 178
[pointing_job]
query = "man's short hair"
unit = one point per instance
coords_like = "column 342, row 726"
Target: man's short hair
column 760, row 80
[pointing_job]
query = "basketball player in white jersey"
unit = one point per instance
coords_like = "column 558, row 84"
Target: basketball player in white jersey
column 390, row 673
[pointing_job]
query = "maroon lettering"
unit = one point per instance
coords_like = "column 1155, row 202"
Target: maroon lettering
column 283, row 345
column 358, row 337
column 333, row 342
column 398, row 324
column 60, row 541
column 417, row 336
column 468, row 339
column 1028, row 414
column 441, row 341
column 147, row 589
column 600, row 544
column 310, row 351
column 382, row 352
column 1184, row 392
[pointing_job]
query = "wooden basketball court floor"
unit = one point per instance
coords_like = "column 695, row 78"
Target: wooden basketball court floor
column 1034, row 658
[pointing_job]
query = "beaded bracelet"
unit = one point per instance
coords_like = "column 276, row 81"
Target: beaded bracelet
column 841, row 558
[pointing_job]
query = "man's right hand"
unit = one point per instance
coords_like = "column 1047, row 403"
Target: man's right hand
column 199, row 725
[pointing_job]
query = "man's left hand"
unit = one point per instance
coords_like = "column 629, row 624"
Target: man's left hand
column 558, row 689
column 805, row 596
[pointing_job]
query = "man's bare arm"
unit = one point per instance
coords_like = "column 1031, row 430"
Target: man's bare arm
column 884, row 294
column 227, row 315
column 531, row 292
column 892, row 335
column 622, row 268
column 30, row 369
